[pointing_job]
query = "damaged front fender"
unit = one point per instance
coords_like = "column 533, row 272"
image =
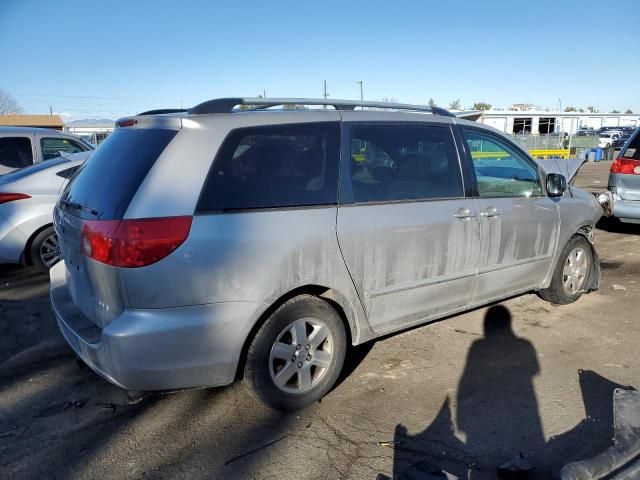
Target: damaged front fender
column 593, row 283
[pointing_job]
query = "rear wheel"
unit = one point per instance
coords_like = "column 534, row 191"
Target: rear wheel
column 45, row 250
column 571, row 274
column 296, row 356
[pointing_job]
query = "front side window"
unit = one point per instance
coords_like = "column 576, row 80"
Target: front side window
column 501, row 171
column 275, row 166
column 15, row 152
column 53, row 147
column 403, row 162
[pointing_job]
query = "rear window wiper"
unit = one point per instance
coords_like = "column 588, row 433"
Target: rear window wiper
column 78, row 206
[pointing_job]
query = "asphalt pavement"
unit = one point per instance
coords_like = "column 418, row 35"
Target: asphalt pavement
column 457, row 393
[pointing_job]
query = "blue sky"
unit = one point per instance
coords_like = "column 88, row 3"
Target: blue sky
column 114, row 58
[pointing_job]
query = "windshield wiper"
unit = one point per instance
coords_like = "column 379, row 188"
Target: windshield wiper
column 78, row 206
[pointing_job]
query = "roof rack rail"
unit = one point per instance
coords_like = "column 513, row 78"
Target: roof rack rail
column 163, row 110
column 227, row 105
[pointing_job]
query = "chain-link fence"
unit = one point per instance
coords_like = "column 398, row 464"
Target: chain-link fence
column 554, row 141
column 577, row 144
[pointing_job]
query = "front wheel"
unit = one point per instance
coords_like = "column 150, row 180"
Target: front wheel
column 296, row 356
column 571, row 274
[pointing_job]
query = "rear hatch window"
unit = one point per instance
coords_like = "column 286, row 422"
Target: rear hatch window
column 106, row 184
column 633, row 149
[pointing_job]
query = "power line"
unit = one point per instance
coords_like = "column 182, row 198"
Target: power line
column 141, row 99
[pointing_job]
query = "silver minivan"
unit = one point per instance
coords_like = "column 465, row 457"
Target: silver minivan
column 624, row 181
column 238, row 240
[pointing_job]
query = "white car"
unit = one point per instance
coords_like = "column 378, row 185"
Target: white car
column 606, row 139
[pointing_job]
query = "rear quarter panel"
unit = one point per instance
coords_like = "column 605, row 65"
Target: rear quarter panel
column 29, row 215
column 249, row 257
column 627, row 186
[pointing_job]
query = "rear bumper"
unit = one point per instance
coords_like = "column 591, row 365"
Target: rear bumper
column 626, row 210
column 158, row 349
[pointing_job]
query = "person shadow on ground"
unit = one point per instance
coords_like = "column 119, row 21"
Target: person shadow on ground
column 497, row 416
column 496, row 405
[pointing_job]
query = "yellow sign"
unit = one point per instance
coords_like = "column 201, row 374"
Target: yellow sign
column 544, row 154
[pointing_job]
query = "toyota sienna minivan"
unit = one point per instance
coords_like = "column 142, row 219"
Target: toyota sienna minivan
column 237, row 240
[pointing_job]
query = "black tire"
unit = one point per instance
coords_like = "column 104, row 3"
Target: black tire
column 259, row 369
column 37, row 245
column 557, row 293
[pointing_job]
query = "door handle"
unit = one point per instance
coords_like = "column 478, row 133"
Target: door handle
column 490, row 212
column 464, row 213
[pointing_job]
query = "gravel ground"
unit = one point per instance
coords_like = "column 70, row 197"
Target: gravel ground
column 448, row 393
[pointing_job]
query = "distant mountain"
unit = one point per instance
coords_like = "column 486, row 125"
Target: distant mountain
column 91, row 121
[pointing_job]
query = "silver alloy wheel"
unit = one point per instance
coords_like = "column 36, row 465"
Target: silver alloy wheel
column 301, row 355
column 50, row 253
column 575, row 270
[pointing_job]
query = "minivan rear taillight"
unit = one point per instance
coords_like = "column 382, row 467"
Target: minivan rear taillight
column 10, row 197
column 133, row 243
column 625, row 166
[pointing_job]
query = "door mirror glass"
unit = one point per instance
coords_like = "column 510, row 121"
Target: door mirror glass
column 556, row 184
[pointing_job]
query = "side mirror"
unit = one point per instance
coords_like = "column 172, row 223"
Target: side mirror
column 556, row 184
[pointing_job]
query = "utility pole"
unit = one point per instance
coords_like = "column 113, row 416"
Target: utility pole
column 361, row 95
column 561, row 136
column 50, row 110
column 325, row 94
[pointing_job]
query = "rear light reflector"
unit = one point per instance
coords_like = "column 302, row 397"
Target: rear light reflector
column 127, row 123
column 133, row 243
column 625, row 166
column 10, row 197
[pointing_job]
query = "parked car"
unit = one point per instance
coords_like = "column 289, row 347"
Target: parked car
column 619, row 142
column 606, row 139
column 24, row 146
column 624, row 181
column 219, row 242
column 586, row 132
column 27, row 198
column 606, row 129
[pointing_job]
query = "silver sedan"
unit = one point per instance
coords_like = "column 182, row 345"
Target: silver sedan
column 27, row 198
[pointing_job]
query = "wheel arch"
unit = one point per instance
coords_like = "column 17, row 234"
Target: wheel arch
column 27, row 248
column 585, row 231
column 593, row 283
column 331, row 296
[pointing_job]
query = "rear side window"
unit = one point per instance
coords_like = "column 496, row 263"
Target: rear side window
column 53, row 147
column 633, row 149
column 109, row 180
column 15, row 152
column 68, row 172
column 403, row 162
column 275, row 166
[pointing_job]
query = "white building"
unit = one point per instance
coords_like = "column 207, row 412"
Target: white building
column 94, row 131
column 544, row 122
